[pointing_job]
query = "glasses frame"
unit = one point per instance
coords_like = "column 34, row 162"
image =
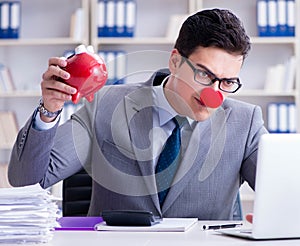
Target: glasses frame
column 234, row 80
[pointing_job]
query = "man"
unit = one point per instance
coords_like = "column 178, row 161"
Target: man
column 119, row 138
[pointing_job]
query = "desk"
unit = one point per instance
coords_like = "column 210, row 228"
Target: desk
column 193, row 237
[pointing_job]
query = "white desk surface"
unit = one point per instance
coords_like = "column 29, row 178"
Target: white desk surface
column 195, row 236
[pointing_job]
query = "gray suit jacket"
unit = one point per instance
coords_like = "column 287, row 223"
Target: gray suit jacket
column 111, row 138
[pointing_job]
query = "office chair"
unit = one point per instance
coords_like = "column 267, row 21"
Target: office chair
column 77, row 190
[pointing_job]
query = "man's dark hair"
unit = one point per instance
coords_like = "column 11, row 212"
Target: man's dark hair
column 213, row 28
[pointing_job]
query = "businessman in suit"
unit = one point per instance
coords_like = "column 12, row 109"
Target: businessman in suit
column 119, row 136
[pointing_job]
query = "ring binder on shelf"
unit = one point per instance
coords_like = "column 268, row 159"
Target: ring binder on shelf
column 116, row 18
column 275, row 18
column 10, row 15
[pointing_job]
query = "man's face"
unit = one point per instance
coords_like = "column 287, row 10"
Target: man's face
column 183, row 92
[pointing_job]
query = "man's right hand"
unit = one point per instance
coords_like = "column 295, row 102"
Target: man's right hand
column 54, row 92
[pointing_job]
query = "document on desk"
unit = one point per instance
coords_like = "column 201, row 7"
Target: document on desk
column 166, row 225
column 27, row 215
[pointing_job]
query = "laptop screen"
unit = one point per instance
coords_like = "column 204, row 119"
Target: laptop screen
column 277, row 189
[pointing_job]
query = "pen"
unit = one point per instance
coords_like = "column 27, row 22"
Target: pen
column 222, row 226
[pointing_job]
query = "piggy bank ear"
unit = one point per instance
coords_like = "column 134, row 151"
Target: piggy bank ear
column 90, row 49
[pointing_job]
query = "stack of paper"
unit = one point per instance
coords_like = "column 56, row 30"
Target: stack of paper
column 27, row 214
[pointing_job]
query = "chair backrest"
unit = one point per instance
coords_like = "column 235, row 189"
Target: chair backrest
column 77, row 190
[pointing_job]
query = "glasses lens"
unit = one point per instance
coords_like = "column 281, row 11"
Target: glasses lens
column 229, row 85
column 203, row 77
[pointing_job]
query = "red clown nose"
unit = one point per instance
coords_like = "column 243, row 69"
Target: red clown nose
column 211, row 98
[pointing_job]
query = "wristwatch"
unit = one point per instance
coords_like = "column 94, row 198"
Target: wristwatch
column 47, row 113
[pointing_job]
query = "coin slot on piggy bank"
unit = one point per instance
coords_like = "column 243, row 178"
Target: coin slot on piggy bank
column 88, row 73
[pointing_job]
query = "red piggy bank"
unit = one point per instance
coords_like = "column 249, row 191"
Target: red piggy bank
column 87, row 74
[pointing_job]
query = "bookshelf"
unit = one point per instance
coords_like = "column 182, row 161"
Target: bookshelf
column 44, row 32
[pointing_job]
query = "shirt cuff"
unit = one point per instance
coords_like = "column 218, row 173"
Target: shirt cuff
column 40, row 125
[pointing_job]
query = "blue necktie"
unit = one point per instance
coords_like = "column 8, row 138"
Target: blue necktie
column 167, row 163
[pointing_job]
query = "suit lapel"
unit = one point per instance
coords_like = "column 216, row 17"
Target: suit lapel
column 139, row 113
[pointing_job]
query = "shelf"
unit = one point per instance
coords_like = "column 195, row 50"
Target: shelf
column 135, row 40
column 20, row 94
column 273, row 40
column 40, row 41
column 165, row 40
column 262, row 93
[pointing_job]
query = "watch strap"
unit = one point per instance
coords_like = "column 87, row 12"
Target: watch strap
column 46, row 112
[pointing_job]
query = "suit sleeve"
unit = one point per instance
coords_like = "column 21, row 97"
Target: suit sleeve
column 248, row 169
column 49, row 156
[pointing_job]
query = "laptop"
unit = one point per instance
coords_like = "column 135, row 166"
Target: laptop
column 276, row 212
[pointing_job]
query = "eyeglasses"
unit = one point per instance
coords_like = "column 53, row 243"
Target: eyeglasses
column 207, row 78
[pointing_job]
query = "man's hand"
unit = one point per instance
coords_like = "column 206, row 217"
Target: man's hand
column 54, row 92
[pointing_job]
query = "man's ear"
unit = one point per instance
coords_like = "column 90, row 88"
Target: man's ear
column 174, row 62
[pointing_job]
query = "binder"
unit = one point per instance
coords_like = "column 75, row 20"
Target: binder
column 262, row 17
column 120, row 18
column 272, row 18
column 282, row 17
column 130, row 18
column 110, row 20
column 272, row 114
column 281, row 117
column 120, row 67
column 77, row 27
column 291, row 18
column 292, row 118
column 290, row 74
column 110, row 64
column 14, row 19
column 102, row 54
column 116, row 64
column 101, row 18
column 4, row 20
column 116, row 18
